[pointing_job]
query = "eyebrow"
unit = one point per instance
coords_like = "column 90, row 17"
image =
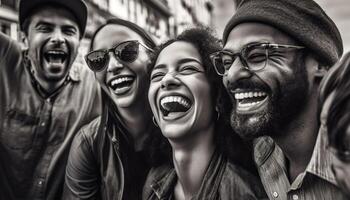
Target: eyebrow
column 45, row 23
column 182, row 61
column 245, row 45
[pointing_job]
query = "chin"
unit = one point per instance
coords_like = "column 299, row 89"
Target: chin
column 251, row 126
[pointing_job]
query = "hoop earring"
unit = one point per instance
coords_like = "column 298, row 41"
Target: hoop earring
column 217, row 116
column 154, row 121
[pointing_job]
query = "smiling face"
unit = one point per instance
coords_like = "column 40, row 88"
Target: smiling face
column 340, row 144
column 267, row 99
column 179, row 92
column 127, row 83
column 53, row 41
column 341, row 168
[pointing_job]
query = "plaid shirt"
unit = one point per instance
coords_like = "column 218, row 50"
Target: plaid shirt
column 315, row 183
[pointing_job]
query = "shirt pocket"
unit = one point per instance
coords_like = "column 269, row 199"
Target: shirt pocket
column 18, row 130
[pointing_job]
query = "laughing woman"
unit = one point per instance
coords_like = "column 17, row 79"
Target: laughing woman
column 183, row 95
column 108, row 157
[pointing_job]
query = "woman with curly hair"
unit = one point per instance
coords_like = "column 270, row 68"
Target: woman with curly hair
column 184, row 97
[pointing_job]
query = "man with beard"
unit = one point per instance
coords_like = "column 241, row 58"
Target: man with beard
column 275, row 54
column 44, row 98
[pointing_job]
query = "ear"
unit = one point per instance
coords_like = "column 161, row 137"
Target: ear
column 24, row 40
column 315, row 66
column 320, row 71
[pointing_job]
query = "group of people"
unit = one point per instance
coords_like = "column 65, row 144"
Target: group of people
column 259, row 114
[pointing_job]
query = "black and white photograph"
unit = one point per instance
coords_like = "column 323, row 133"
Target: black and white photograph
column 174, row 100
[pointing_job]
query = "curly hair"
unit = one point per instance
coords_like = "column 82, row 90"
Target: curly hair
column 227, row 142
column 338, row 119
column 203, row 40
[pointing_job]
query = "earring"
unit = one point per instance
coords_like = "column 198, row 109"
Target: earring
column 154, row 121
column 217, row 116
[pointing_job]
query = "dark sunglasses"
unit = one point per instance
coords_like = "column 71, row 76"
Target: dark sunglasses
column 125, row 52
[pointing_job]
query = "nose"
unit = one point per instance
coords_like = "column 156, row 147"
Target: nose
column 114, row 65
column 236, row 72
column 57, row 37
column 170, row 81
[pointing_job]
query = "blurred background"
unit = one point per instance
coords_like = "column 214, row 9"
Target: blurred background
column 164, row 19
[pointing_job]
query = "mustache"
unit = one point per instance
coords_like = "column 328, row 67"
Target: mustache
column 248, row 84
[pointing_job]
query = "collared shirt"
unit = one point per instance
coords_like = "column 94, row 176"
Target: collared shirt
column 222, row 181
column 35, row 131
column 315, row 183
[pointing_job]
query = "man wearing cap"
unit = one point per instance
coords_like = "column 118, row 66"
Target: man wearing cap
column 275, row 54
column 45, row 98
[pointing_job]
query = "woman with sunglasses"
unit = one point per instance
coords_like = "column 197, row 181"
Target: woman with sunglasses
column 109, row 158
column 335, row 115
column 184, row 97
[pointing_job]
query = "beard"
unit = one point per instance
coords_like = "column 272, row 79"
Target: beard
column 282, row 107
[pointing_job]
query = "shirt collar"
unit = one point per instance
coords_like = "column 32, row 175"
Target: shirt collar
column 319, row 165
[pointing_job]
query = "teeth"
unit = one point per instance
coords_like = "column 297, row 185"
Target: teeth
column 244, row 105
column 120, row 80
column 56, row 52
column 177, row 99
column 244, row 95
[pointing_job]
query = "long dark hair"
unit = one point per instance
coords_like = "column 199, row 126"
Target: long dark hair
column 110, row 113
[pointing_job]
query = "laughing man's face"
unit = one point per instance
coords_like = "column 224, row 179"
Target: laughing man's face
column 270, row 98
column 53, row 41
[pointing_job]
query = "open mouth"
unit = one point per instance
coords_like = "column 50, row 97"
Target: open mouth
column 252, row 100
column 55, row 56
column 121, row 85
column 174, row 104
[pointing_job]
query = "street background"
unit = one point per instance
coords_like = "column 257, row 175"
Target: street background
column 164, row 19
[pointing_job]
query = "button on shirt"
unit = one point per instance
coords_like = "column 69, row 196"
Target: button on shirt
column 35, row 131
column 317, row 182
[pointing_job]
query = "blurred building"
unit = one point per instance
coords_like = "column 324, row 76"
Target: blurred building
column 161, row 18
column 9, row 18
column 186, row 13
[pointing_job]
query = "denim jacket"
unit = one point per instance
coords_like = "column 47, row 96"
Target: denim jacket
column 222, row 181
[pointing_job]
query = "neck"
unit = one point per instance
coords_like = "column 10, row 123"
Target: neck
column 46, row 87
column 191, row 160
column 138, row 122
column 301, row 133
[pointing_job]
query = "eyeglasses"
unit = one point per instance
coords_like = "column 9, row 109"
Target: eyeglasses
column 125, row 52
column 343, row 155
column 254, row 57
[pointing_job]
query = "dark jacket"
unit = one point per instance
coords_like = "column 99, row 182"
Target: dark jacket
column 222, row 181
column 102, row 163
